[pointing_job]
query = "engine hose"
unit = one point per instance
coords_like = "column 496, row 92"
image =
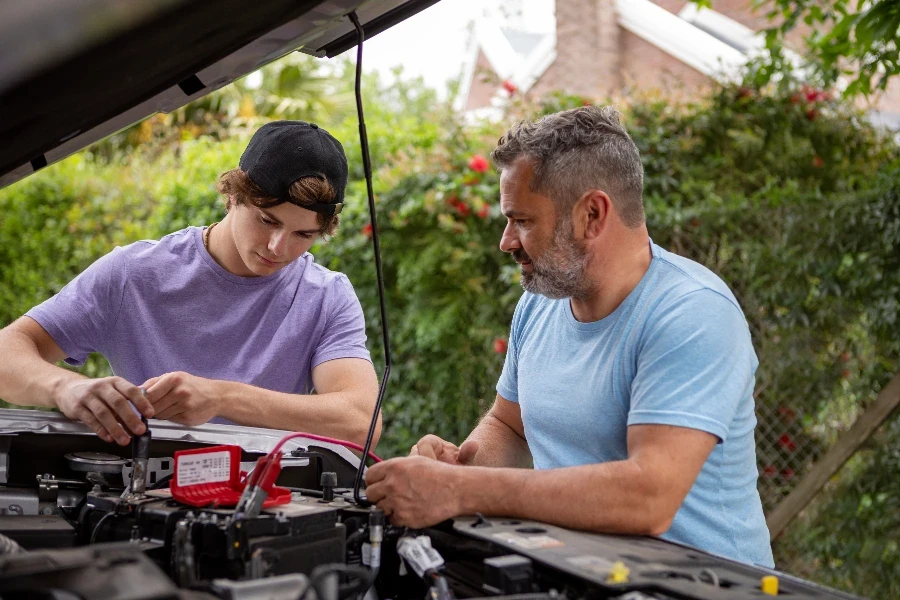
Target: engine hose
column 9, row 545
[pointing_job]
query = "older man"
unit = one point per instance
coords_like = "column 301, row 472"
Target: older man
column 629, row 376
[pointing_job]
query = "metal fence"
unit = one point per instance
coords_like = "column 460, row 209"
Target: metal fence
column 792, row 431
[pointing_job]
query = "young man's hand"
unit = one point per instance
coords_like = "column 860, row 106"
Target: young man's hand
column 106, row 405
column 414, row 491
column 182, row 397
column 431, row 446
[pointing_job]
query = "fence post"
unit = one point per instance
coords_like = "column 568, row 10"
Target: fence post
column 865, row 425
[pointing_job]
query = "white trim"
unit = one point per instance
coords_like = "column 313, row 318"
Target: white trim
column 467, row 75
column 537, row 63
column 496, row 47
column 689, row 44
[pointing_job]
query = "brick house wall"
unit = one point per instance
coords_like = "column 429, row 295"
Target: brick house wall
column 597, row 58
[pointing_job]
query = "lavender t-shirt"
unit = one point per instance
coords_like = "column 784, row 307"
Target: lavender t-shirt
column 153, row 307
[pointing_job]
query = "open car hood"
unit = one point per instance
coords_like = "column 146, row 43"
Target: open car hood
column 73, row 73
column 15, row 421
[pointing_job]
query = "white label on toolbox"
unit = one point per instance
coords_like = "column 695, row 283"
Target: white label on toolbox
column 209, row 467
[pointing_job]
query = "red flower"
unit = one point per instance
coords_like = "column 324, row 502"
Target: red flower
column 462, row 209
column 787, row 473
column 811, row 114
column 499, row 345
column 510, row 87
column 479, row 164
column 817, row 162
column 451, row 200
column 744, row 92
column 484, row 211
column 367, row 230
column 787, row 443
column 787, row 414
column 770, row 471
column 812, row 95
column 795, row 99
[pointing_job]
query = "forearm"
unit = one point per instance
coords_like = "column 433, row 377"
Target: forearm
column 339, row 415
column 26, row 378
column 499, row 445
column 614, row 497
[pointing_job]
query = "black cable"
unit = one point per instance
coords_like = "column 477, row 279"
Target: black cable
column 367, row 167
column 99, row 524
column 363, row 580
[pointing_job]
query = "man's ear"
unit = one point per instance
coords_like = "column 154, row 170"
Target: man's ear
column 591, row 213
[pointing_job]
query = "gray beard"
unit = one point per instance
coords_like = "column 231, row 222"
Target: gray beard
column 560, row 270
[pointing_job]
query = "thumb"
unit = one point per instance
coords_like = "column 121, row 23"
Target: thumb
column 467, row 452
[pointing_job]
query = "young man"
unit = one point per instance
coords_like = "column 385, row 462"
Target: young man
column 229, row 323
column 629, row 375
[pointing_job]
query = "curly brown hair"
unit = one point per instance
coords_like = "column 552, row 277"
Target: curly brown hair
column 236, row 185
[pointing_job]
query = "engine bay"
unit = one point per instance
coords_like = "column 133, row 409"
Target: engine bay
column 67, row 500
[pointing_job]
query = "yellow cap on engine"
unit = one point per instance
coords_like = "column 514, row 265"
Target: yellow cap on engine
column 618, row 573
column 769, row 585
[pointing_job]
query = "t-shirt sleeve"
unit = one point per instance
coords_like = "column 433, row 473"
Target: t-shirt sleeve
column 695, row 366
column 80, row 317
column 345, row 331
column 508, row 384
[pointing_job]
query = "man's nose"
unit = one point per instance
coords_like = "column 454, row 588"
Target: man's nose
column 509, row 241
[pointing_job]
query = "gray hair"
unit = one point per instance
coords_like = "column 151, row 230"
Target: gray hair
column 576, row 151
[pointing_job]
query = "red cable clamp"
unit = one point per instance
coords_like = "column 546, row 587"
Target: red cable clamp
column 211, row 478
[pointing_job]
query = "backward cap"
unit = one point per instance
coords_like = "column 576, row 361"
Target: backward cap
column 281, row 152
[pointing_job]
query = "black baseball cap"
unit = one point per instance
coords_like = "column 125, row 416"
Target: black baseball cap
column 281, row 152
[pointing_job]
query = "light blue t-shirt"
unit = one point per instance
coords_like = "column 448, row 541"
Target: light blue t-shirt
column 677, row 352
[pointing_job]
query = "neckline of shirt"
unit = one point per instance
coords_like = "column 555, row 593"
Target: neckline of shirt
column 197, row 233
column 630, row 300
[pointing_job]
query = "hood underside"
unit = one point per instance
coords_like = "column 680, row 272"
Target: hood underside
column 73, row 73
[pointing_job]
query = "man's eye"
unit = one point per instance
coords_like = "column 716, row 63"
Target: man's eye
column 266, row 221
column 305, row 236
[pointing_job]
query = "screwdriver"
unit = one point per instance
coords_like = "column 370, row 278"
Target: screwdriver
column 140, row 458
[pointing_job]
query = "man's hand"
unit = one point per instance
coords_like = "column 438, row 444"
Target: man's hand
column 107, row 406
column 414, row 492
column 431, row 446
column 182, row 398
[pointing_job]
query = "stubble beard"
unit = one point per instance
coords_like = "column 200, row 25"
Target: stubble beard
column 559, row 272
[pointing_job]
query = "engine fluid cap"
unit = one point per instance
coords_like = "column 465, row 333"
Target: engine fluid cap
column 769, row 585
column 95, row 461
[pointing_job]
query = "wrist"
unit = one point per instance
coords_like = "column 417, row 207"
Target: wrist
column 221, row 394
column 469, row 489
column 58, row 385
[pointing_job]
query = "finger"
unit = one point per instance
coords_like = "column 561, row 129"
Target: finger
column 161, row 387
column 88, row 419
column 149, row 383
column 375, row 493
column 170, row 412
column 377, row 472
column 426, row 449
column 467, row 452
column 136, row 395
column 414, row 451
column 122, row 409
column 106, row 418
